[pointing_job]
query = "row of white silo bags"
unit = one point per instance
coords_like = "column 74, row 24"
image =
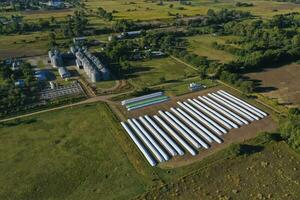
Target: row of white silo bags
column 234, row 107
column 200, row 117
column 204, row 117
column 241, row 107
column 221, row 109
column 156, row 144
column 141, row 147
column 243, row 104
column 141, row 98
column 196, row 124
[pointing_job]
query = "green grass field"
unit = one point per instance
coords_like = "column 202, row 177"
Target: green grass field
column 69, row 154
column 23, row 45
column 149, row 73
column 202, row 46
column 147, row 10
column 182, row 87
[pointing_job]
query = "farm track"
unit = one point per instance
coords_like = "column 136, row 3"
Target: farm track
column 87, row 101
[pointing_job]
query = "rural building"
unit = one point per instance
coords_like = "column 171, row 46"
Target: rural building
column 195, row 86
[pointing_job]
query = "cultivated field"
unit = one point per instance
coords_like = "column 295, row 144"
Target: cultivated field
column 202, row 45
column 150, row 72
column 281, row 83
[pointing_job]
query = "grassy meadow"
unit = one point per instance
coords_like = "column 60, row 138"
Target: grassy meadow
column 150, row 72
column 69, row 154
column 23, row 45
column 148, row 10
column 270, row 171
column 202, row 45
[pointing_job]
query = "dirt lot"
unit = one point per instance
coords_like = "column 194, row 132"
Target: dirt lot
column 281, row 83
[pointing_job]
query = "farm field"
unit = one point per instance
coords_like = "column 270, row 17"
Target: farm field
column 147, row 10
column 23, row 45
column 40, row 14
column 263, row 171
column 202, row 46
column 69, row 154
column 280, row 83
column 83, row 153
column 150, row 72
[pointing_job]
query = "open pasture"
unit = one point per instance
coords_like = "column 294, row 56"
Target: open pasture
column 74, row 153
column 202, row 45
column 263, row 171
column 145, row 10
column 35, row 15
column 148, row 10
column 280, row 83
column 23, row 45
column 158, row 71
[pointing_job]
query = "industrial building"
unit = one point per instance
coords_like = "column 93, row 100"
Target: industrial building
column 91, row 65
column 55, row 58
column 195, row 124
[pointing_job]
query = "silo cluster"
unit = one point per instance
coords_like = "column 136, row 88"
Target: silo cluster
column 91, row 65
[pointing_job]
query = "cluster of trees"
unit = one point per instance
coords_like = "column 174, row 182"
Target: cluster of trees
column 217, row 18
column 75, row 24
column 290, row 128
column 16, row 25
column 14, row 97
column 244, row 4
column 104, row 14
column 265, row 43
column 20, row 5
column 124, row 25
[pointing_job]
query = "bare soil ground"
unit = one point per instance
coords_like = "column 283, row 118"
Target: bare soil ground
column 281, row 83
